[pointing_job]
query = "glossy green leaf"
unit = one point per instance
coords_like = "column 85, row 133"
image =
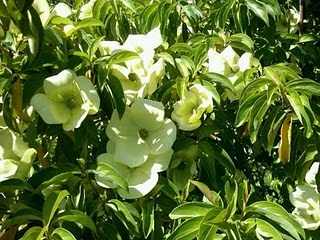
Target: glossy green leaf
column 117, row 94
column 34, row 233
column 57, row 173
column 111, row 174
column 14, row 184
column 223, row 158
column 51, row 205
column 274, row 212
column 242, row 38
column 263, row 229
column 304, row 85
column 245, row 108
column 296, row 104
column 147, row 217
column 62, row 234
column 219, row 79
column 259, row 10
column 190, row 210
column 89, row 22
column 186, row 230
column 123, row 213
column 122, row 56
column 76, row 216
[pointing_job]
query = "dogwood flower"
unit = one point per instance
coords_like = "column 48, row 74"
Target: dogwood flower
column 86, row 10
column 138, row 82
column 139, row 146
column 144, row 45
column 307, row 206
column 229, row 63
column 306, row 200
column 183, row 166
column 189, row 110
column 67, row 100
column 15, row 156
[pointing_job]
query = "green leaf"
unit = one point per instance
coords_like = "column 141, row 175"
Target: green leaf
column 77, row 217
column 187, row 230
column 51, row 205
column 263, row 229
column 123, row 213
column 147, row 216
column 34, row 233
column 190, row 210
column 122, row 56
column 212, row 196
column 62, row 234
column 107, row 172
column 117, row 94
column 242, row 41
column 298, row 107
column 223, row 158
column 181, row 48
column 308, row 38
column 255, row 87
column 304, row 85
column 259, row 10
column 47, row 176
column 219, row 79
column 279, row 215
column 271, row 127
column 89, row 22
column 14, row 184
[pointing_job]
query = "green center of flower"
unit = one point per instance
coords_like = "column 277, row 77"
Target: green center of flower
column 235, row 68
column 71, row 102
column 133, row 77
column 143, row 133
column 138, row 49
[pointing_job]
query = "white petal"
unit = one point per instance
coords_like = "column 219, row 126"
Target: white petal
column 19, row 147
column 245, row 61
column 62, row 10
column 51, row 112
column 154, row 38
column 147, row 114
column 131, row 152
column 87, row 88
column 6, row 143
column 162, row 139
column 141, row 181
column 160, row 162
column 121, row 128
column 217, row 64
column 57, row 86
column 230, row 56
column 8, row 168
column 311, row 174
column 78, row 114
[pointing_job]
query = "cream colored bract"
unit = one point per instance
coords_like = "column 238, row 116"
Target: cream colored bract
column 139, row 146
column 189, row 110
column 67, row 100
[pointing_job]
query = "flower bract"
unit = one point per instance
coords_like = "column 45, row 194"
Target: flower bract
column 67, row 100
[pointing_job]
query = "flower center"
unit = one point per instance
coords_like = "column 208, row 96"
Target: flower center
column 139, row 49
column 235, row 68
column 143, row 133
column 71, row 102
column 133, row 77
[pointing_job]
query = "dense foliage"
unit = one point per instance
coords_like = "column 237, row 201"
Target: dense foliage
column 148, row 119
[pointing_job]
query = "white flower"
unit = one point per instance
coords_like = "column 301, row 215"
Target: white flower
column 15, row 156
column 144, row 45
column 67, row 99
column 311, row 175
column 189, row 110
column 228, row 63
column 138, row 82
column 139, row 146
column 86, row 10
column 307, row 206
